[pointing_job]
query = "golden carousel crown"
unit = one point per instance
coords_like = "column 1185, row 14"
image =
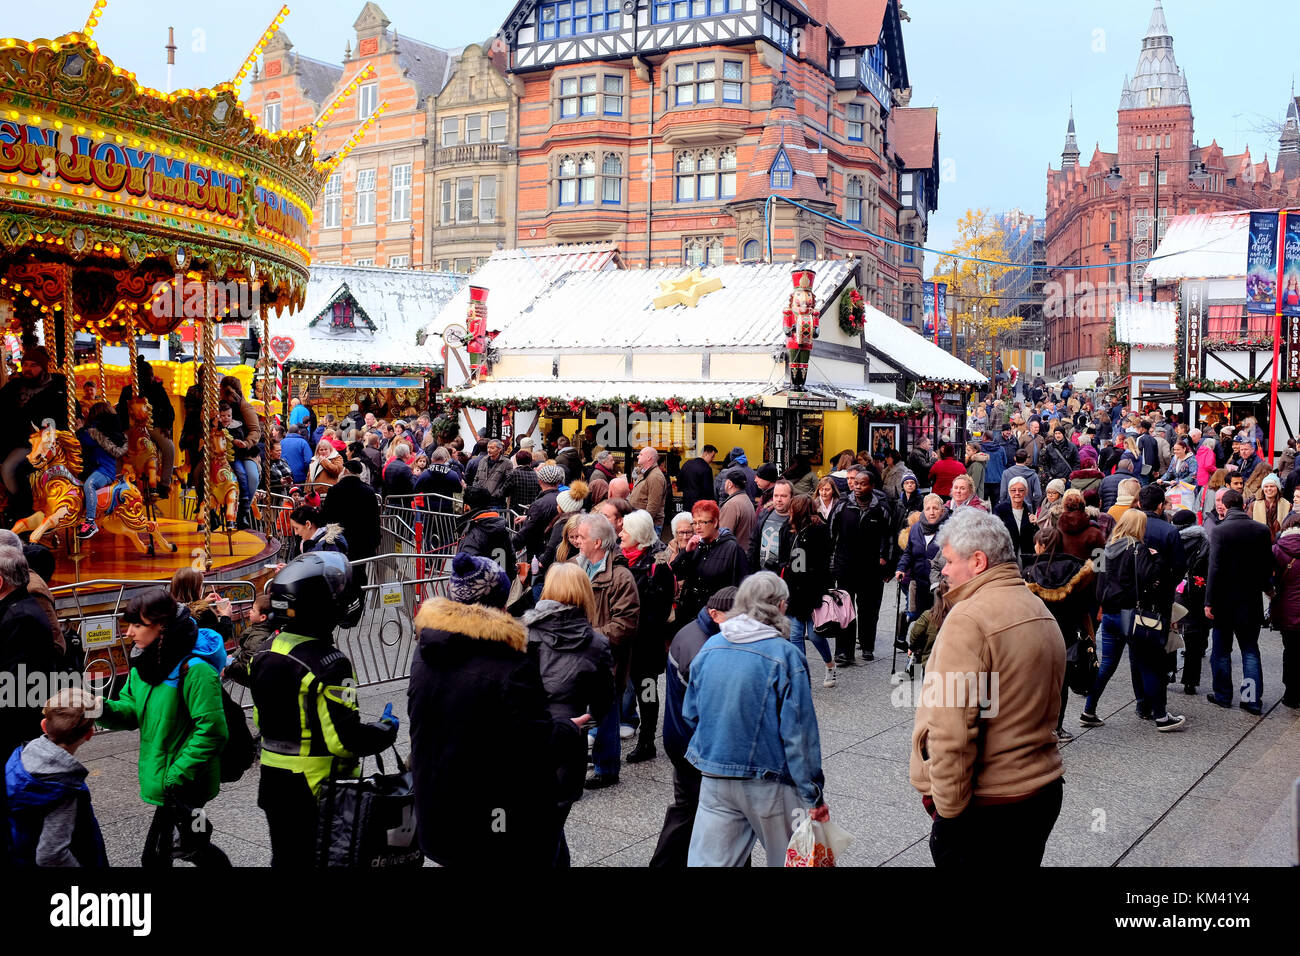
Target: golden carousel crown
column 132, row 191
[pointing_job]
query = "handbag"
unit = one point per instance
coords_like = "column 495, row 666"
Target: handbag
column 836, row 611
column 369, row 822
column 1146, row 626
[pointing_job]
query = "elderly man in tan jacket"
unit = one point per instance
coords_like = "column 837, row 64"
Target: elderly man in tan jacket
column 651, row 490
column 983, row 754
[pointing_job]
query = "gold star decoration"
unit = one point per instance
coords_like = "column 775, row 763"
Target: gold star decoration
column 687, row 290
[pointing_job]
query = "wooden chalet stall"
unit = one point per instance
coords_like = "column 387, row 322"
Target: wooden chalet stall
column 1223, row 355
column 361, row 339
column 917, row 371
column 1149, row 331
column 701, row 352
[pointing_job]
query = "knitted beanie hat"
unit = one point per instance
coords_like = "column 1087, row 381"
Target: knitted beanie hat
column 571, row 500
column 476, row 580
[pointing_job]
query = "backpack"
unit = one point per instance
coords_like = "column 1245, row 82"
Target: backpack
column 240, row 750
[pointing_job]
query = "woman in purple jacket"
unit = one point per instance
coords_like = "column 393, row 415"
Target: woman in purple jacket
column 914, row 564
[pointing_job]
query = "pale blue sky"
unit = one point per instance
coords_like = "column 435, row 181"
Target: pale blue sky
column 1001, row 72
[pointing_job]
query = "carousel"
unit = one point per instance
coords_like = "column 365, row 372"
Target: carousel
column 126, row 212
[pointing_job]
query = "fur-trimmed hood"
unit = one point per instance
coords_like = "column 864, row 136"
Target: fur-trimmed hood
column 474, row 621
column 1045, row 577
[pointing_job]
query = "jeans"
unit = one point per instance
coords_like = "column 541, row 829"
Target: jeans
column 804, row 629
column 1110, row 644
column 627, row 706
column 166, row 455
column 605, row 754
column 733, row 813
column 249, row 477
column 90, row 490
column 1246, row 631
column 1002, row 835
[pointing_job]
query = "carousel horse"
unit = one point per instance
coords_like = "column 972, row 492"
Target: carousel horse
column 141, row 452
column 122, row 513
column 57, row 501
column 220, row 487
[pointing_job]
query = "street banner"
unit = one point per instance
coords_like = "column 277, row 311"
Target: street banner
column 1291, row 266
column 1261, row 263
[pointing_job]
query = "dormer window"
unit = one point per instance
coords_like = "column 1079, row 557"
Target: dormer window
column 342, row 316
column 782, row 172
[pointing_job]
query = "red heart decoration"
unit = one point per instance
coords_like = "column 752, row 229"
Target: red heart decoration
column 281, row 348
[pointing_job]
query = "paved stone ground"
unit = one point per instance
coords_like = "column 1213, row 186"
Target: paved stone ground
column 1213, row 794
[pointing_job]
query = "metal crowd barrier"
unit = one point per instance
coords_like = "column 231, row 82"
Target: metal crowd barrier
column 96, row 618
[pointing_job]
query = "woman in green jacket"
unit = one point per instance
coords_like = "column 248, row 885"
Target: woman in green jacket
column 173, row 696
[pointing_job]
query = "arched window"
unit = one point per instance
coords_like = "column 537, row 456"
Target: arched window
column 750, row 252
column 807, row 250
column 611, row 171
column 702, row 251
column 853, row 199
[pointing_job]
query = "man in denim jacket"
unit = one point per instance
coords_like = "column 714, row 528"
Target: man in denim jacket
column 755, row 737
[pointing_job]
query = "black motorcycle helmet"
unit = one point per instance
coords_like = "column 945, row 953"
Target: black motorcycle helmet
column 312, row 595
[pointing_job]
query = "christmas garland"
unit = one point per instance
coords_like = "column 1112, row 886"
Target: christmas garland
column 929, row 385
column 1237, row 343
column 886, row 412
column 579, row 406
column 359, row 368
column 1235, row 384
column 853, row 312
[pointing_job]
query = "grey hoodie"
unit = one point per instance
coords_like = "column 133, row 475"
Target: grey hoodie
column 44, row 758
column 743, row 629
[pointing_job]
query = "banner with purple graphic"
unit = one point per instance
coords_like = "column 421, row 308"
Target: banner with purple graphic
column 1291, row 266
column 1261, row 263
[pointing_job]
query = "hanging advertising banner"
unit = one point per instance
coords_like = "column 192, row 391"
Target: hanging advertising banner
column 1290, row 291
column 1261, row 263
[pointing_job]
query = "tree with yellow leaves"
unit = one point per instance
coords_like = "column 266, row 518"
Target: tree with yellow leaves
column 972, row 286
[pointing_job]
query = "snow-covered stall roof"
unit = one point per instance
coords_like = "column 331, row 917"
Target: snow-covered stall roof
column 1146, row 323
column 1205, row 246
column 391, row 305
column 915, row 354
column 515, row 277
column 615, row 310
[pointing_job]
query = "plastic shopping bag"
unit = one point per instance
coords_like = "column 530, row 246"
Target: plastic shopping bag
column 817, row 841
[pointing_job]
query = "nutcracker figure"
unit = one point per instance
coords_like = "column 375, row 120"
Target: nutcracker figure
column 477, row 326
column 800, row 325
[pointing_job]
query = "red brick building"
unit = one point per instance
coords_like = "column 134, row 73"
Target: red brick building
column 1101, row 214
column 664, row 126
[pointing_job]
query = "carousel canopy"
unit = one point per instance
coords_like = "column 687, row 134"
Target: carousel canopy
column 110, row 191
column 357, row 317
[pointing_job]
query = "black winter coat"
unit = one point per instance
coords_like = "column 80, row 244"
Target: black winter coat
column 351, row 503
column 805, row 558
column 398, row 480
column 573, row 659
column 1023, row 537
column 695, row 482
column 486, row 753
column 26, row 641
column 532, row 534
column 26, row 406
column 1061, row 458
column 486, row 536
column 1241, row 568
column 863, row 538
column 710, row 567
column 1068, row 587
column 654, row 587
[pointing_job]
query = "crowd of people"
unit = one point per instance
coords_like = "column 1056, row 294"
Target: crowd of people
column 1059, row 535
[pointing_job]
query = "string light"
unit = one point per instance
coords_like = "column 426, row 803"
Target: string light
column 367, row 72
column 356, row 137
column 267, row 34
column 92, row 20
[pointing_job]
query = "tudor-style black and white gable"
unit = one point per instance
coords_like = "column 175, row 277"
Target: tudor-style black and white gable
column 543, row 33
column 873, row 63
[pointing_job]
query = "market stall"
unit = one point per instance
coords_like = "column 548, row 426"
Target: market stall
column 361, row 340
